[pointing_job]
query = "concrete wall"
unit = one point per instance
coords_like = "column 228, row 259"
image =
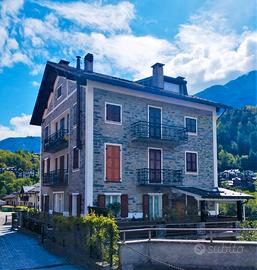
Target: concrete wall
column 190, row 254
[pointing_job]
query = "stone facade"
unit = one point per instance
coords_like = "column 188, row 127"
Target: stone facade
column 135, row 154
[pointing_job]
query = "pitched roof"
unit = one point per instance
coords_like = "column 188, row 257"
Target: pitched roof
column 52, row 70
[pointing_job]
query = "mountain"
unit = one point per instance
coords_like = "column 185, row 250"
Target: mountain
column 31, row 144
column 236, row 93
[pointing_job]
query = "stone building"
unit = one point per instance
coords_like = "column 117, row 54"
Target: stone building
column 145, row 145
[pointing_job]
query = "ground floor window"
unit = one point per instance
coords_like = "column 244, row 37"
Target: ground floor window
column 74, row 205
column 155, row 206
column 58, row 202
column 113, row 201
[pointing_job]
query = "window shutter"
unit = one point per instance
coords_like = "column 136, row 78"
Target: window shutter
column 42, row 203
column 165, row 201
column 47, row 204
column 146, row 206
column 124, row 205
column 113, row 162
column 70, row 205
column 101, row 200
column 78, row 205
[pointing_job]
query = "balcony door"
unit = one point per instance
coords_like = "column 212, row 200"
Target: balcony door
column 155, row 160
column 62, row 168
column 155, row 115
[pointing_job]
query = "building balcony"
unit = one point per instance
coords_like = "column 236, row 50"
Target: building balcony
column 56, row 141
column 145, row 131
column 163, row 177
column 55, row 178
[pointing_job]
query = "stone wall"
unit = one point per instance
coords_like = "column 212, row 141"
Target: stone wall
column 135, row 155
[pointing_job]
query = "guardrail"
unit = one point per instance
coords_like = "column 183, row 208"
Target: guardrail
column 210, row 230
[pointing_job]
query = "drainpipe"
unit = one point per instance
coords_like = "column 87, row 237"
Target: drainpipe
column 78, row 114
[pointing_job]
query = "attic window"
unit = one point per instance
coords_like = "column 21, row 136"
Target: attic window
column 59, row 91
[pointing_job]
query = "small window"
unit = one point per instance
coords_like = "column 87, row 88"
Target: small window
column 59, row 91
column 75, row 158
column 113, row 163
column 111, row 199
column 74, row 114
column 113, row 113
column 191, row 162
column 191, row 125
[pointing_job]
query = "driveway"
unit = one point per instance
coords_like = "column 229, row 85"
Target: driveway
column 19, row 251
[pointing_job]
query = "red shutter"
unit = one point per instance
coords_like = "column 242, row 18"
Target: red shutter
column 112, row 163
column 165, row 201
column 146, row 206
column 70, row 205
column 101, row 200
column 124, row 205
column 78, row 205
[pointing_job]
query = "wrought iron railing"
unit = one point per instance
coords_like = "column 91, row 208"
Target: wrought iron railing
column 55, row 178
column 56, row 141
column 146, row 130
column 164, row 177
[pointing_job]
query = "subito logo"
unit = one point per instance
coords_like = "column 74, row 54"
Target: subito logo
column 199, row 249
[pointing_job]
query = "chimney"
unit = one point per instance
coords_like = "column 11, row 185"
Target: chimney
column 88, row 62
column 78, row 62
column 158, row 79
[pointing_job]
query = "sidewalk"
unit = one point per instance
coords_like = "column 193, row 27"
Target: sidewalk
column 19, row 251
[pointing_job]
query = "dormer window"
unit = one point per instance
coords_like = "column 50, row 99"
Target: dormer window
column 59, row 91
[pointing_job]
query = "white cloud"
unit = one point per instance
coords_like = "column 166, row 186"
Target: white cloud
column 107, row 17
column 35, row 84
column 19, row 127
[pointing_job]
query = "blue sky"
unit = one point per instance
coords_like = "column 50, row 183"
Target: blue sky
column 208, row 42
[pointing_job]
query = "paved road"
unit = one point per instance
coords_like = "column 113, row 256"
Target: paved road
column 19, row 251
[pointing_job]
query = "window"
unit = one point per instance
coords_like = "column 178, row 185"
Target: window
column 191, row 162
column 74, row 114
column 155, row 206
column 75, row 158
column 191, row 125
column 67, row 160
column 68, row 122
column 62, row 124
column 112, row 162
column 59, row 91
column 58, row 202
column 74, row 205
column 46, row 132
column 112, row 113
column 111, row 199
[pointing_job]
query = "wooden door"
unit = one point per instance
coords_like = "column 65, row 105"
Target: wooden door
column 155, row 165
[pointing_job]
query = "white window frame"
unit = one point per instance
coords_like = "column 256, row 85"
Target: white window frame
column 148, row 118
column 105, row 114
column 160, row 207
column 58, row 192
column 77, row 169
column 196, row 125
column 115, row 144
column 148, row 163
column 113, row 194
column 57, row 98
column 197, row 163
column 75, row 197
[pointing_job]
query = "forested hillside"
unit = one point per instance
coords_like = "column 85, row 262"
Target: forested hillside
column 237, row 139
column 17, row 170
